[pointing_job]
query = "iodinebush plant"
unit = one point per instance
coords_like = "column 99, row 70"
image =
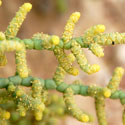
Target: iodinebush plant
column 37, row 100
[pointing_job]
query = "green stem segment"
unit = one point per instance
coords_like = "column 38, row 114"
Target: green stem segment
column 78, row 89
column 37, row 44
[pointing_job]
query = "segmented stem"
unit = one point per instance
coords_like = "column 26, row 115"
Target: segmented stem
column 69, row 28
column 81, row 59
column 59, row 75
column 17, row 21
column 116, row 78
column 100, row 110
column 65, row 62
column 73, row 109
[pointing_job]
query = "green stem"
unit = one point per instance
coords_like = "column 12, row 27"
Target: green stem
column 37, row 43
column 78, row 89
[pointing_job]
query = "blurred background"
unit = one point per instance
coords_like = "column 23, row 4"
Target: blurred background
column 50, row 16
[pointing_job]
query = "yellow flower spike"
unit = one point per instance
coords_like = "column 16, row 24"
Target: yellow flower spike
column 21, row 65
column 67, row 35
column 107, row 92
column 94, row 38
column 91, row 32
column 94, row 30
column 17, row 21
column 100, row 28
column 75, row 17
column 96, row 49
column 59, row 75
column 64, row 62
column 6, row 115
column 55, row 40
column 36, row 89
column 94, row 68
column 81, row 59
column 109, row 38
column 84, row 118
column 100, row 110
column 72, row 107
column 116, row 78
column 68, row 32
column 71, row 57
column 3, row 59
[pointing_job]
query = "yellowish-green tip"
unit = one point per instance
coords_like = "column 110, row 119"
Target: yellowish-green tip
column 107, row 93
column 55, row 40
column 75, row 16
column 85, row 118
column 75, row 72
column 28, row 6
column 101, row 28
column 6, row 115
column 94, row 68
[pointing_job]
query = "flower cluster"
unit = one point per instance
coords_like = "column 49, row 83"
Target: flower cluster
column 36, row 99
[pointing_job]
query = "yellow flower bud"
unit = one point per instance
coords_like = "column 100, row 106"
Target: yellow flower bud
column 107, row 93
column 84, row 118
column 75, row 71
column 67, row 35
column 101, row 28
column 95, row 68
column 55, row 40
column 6, row 115
column 75, row 17
column 28, row 6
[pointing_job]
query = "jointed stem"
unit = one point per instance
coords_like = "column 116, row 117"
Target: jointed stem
column 100, row 110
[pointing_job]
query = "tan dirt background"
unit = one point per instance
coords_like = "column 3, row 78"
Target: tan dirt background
column 45, row 18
